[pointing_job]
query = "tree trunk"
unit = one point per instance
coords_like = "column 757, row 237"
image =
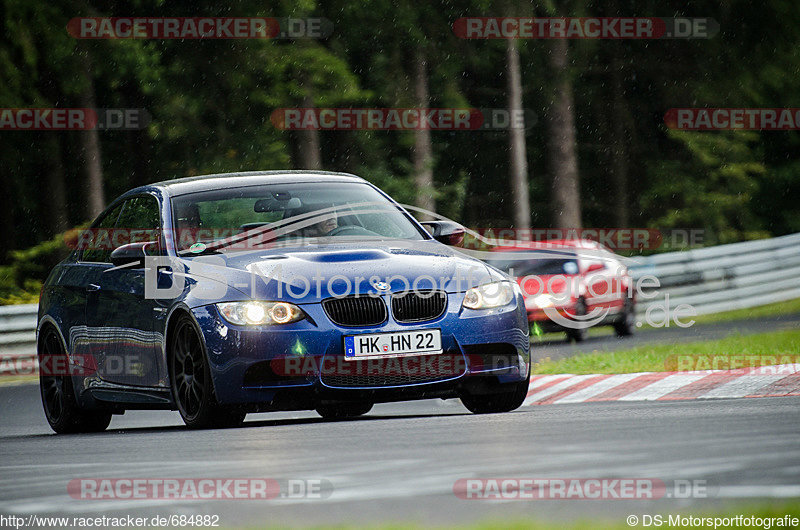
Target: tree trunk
column 308, row 148
column 139, row 158
column 516, row 141
column 139, row 146
column 619, row 144
column 561, row 145
column 90, row 145
column 54, row 201
column 423, row 150
column 7, row 226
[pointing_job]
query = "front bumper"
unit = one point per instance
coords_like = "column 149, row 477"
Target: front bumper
column 491, row 345
column 538, row 314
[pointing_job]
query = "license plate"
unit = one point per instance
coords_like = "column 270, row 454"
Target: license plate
column 367, row 345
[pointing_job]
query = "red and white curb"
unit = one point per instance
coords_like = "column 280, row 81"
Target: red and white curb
column 762, row 381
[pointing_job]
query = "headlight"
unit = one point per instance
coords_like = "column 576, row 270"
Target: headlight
column 489, row 295
column 543, row 300
column 255, row 313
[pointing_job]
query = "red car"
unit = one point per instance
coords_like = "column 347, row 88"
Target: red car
column 571, row 285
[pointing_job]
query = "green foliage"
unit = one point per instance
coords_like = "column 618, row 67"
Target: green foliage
column 662, row 357
column 211, row 101
column 711, row 186
column 21, row 280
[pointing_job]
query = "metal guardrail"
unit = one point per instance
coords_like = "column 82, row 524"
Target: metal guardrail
column 725, row 277
column 711, row 280
column 18, row 338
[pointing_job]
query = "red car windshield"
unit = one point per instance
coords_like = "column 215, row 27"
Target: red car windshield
column 538, row 266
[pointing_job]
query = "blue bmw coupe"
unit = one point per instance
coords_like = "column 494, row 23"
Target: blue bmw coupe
column 227, row 294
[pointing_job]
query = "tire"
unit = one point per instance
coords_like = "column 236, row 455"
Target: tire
column 190, row 381
column 626, row 325
column 343, row 410
column 578, row 334
column 58, row 395
column 509, row 399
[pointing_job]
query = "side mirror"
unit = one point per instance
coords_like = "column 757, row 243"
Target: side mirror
column 595, row 267
column 132, row 253
column 446, row 232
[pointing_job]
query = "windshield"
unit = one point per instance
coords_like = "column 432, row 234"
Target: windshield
column 558, row 264
column 287, row 212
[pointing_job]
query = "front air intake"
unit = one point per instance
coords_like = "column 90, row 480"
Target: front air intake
column 354, row 311
column 418, row 306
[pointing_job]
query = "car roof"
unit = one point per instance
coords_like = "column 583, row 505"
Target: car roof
column 199, row 183
column 552, row 244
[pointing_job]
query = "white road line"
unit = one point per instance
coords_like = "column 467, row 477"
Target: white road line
column 776, row 369
column 544, row 380
column 760, row 490
column 64, row 504
column 597, row 388
column 661, row 387
column 556, row 387
column 742, row 386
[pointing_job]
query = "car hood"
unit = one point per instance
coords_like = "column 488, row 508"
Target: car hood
column 310, row 273
column 536, row 284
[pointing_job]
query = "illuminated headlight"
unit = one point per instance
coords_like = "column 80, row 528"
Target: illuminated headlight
column 255, row 313
column 489, row 295
column 543, row 300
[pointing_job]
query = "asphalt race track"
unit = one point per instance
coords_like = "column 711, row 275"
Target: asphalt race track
column 400, row 462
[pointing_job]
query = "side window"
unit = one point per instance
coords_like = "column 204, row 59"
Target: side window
column 596, row 264
column 97, row 247
column 139, row 222
column 136, row 220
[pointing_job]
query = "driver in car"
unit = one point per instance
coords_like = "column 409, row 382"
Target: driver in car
column 188, row 224
column 323, row 227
